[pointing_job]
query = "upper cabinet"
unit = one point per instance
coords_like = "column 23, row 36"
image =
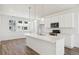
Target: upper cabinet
column 48, row 20
column 65, row 20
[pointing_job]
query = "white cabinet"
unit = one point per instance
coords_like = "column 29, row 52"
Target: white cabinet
column 47, row 22
column 66, row 24
column 44, row 45
column 67, row 20
column 51, row 19
column 54, row 19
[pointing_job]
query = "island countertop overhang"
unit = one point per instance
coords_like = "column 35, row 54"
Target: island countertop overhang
column 47, row 38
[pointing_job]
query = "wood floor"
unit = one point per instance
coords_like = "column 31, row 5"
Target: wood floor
column 30, row 51
column 18, row 47
column 73, row 51
column 13, row 47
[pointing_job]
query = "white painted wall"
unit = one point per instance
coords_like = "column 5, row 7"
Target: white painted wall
column 4, row 26
column 5, row 15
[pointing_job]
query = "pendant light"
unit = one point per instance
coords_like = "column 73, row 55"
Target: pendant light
column 29, row 13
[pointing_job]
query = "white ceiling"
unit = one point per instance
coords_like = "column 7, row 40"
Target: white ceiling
column 38, row 10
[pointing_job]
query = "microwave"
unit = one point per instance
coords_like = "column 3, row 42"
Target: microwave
column 54, row 25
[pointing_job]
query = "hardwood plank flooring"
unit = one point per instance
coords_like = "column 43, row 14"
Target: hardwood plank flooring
column 73, row 51
column 30, row 51
column 13, row 47
column 16, row 47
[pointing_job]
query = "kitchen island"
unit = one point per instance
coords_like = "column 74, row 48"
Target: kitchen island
column 45, row 44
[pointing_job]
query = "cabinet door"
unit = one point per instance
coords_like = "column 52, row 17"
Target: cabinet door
column 47, row 22
column 58, row 18
column 60, row 21
column 51, row 19
column 66, row 20
column 55, row 19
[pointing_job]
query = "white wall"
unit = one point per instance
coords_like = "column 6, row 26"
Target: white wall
column 4, row 25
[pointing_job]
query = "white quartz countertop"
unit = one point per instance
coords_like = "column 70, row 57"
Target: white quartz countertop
column 48, row 38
